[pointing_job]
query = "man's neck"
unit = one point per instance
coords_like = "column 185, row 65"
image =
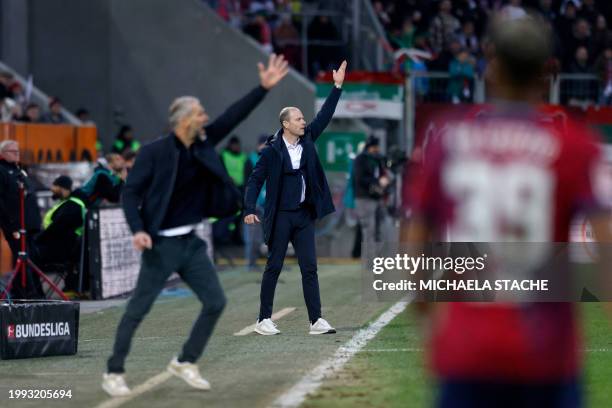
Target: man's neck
column 185, row 137
column 290, row 138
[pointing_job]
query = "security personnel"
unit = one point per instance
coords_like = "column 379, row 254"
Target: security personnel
column 125, row 140
column 60, row 241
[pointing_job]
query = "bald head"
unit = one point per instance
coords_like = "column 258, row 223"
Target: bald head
column 292, row 121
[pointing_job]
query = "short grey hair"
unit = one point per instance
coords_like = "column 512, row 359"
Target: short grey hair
column 179, row 108
column 5, row 144
column 284, row 114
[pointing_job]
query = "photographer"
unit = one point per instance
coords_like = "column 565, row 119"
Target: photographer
column 370, row 186
column 11, row 175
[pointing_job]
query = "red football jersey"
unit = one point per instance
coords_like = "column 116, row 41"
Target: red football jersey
column 505, row 176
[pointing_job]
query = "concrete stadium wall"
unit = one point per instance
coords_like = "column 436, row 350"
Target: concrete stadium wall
column 127, row 60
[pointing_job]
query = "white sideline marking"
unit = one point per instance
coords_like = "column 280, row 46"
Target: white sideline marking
column 139, row 390
column 310, row 382
column 275, row 316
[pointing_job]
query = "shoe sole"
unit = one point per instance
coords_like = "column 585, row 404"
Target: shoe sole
column 175, row 373
column 331, row 331
column 106, row 390
column 265, row 333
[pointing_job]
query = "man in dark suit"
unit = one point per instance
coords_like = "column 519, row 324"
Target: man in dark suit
column 296, row 195
column 176, row 181
column 11, row 174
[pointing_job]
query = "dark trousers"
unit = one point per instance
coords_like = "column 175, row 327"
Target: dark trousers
column 187, row 256
column 296, row 227
column 480, row 394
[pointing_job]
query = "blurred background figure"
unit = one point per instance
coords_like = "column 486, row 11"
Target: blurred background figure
column 370, row 182
column 253, row 233
column 472, row 188
column 125, row 140
column 55, row 114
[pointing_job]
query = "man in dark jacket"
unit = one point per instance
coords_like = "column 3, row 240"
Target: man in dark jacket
column 176, row 181
column 370, row 183
column 296, row 194
column 11, row 175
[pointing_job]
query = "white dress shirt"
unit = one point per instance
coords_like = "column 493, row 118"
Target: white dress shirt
column 295, row 153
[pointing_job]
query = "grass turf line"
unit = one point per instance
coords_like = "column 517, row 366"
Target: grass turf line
column 396, row 378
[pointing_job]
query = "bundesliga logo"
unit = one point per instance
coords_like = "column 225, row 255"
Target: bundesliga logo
column 23, row 331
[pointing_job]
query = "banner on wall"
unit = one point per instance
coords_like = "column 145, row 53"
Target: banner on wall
column 365, row 95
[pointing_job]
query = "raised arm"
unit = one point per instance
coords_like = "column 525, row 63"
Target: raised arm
column 268, row 78
column 324, row 116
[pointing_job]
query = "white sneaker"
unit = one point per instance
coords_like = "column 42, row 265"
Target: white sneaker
column 114, row 385
column 189, row 373
column 266, row 327
column 321, row 327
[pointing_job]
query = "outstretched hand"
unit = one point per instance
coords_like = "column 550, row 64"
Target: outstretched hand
column 339, row 74
column 275, row 71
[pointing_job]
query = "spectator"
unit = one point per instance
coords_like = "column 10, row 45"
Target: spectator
column 443, row 27
column 565, row 23
column 513, row 10
column 546, row 10
column 405, row 37
column 603, row 67
column 261, row 6
column 581, row 92
column 588, row 11
column 55, row 114
column 468, row 39
column 381, row 13
column 18, row 95
column 129, row 156
column 125, row 140
column 106, row 182
column 470, row 10
column 581, row 37
column 259, row 29
column 6, row 79
column 287, row 40
column 84, row 116
column 230, row 11
column 322, row 56
column 9, row 109
column 461, row 82
column 32, row 113
column 602, row 36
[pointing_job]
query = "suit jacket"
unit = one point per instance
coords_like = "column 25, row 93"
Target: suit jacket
column 149, row 186
column 269, row 169
column 10, row 174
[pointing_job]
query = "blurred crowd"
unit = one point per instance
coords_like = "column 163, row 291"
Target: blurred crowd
column 279, row 26
column 452, row 35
